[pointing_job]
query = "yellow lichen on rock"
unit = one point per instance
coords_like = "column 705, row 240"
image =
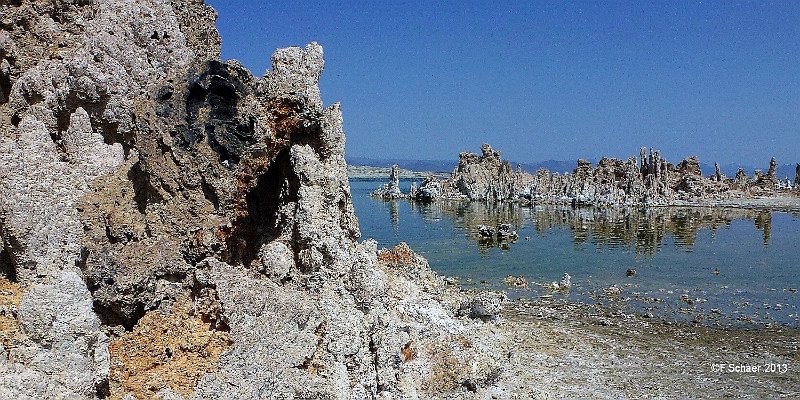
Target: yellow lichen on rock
column 165, row 351
column 10, row 297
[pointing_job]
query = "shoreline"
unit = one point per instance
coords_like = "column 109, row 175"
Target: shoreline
column 783, row 202
column 581, row 351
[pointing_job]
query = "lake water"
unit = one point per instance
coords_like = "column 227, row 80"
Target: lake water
column 725, row 267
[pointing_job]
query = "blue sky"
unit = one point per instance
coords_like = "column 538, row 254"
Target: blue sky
column 545, row 80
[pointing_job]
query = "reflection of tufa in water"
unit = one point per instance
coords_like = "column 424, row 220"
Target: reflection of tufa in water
column 485, row 232
column 644, row 230
column 505, row 232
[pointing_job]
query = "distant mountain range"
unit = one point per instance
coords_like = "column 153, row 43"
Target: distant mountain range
column 561, row 166
column 448, row 166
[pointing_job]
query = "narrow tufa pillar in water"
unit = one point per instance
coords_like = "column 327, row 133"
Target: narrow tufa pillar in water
column 772, row 172
column 797, row 176
column 391, row 190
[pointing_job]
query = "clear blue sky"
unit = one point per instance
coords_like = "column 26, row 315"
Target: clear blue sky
column 545, row 80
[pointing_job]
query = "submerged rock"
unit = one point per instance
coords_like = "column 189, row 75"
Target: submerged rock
column 565, row 284
column 516, row 281
column 566, row 281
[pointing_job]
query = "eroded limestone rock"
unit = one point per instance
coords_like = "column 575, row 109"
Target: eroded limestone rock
column 485, row 177
column 650, row 180
column 70, row 74
column 768, row 181
column 179, row 228
column 391, row 190
column 797, row 175
column 167, row 351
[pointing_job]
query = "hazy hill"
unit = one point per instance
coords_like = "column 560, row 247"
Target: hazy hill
column 413, row 165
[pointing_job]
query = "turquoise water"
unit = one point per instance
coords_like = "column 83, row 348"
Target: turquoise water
column 722, row 267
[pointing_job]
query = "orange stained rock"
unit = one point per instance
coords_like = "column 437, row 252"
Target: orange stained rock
column 10, row 297
column 165, row 351
column 399, row 255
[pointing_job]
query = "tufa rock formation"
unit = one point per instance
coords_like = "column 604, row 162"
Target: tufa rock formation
column 650, row 180
column 174, row 227
column 486, row 177
column 428, row 191
column 741, row 181
column 797, row 176
column 769, row 181
column 391, row 190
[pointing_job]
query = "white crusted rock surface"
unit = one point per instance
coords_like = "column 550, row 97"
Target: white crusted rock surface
column 179, row 228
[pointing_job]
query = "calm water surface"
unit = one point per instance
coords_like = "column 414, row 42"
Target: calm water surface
column 722, row 267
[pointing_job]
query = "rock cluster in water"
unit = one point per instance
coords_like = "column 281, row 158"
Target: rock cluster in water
column 391, row 190
column 175, row 227
column 648, row 180
column 501, row 236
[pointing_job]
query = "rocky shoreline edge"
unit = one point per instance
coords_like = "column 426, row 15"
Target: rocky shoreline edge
column 584, row 351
